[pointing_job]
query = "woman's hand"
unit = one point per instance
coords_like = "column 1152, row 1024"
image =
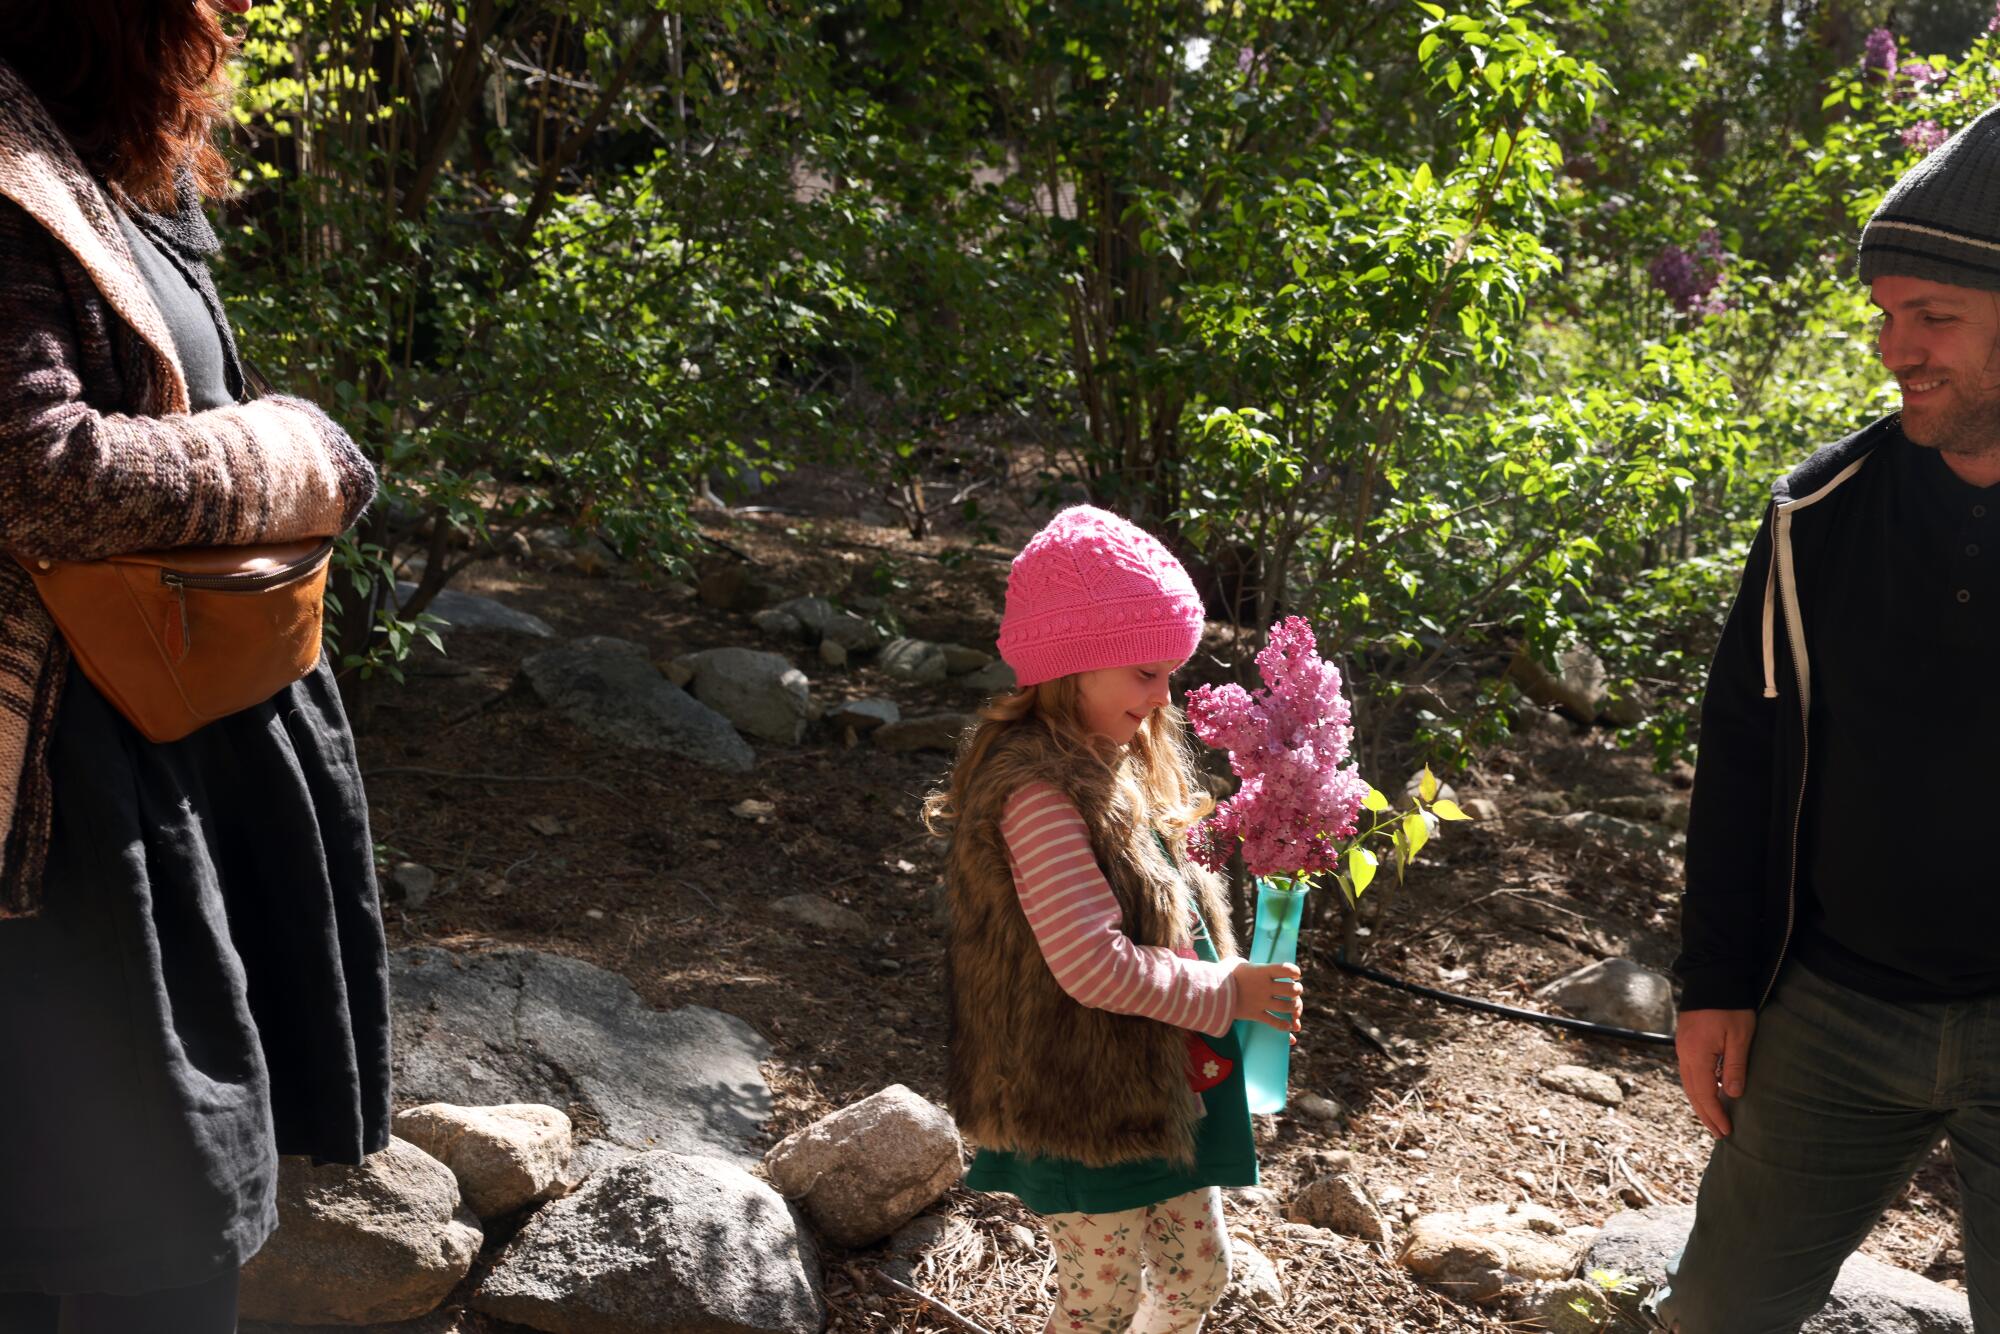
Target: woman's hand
column 1269, row 993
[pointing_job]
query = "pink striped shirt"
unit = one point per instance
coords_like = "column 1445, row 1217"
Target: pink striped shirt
column 1075, row 918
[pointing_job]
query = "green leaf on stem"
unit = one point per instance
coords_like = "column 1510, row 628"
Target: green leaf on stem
column 1361, row 865
column 1415, row 832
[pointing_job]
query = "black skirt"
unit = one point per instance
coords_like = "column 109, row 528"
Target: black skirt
column 205, row 989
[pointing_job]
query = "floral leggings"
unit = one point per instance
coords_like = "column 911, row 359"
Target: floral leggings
column 1153, row 1270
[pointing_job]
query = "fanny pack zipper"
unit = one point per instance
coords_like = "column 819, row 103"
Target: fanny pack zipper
column 247, row 581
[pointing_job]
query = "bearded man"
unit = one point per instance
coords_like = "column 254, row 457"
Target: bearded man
column 1841, row 931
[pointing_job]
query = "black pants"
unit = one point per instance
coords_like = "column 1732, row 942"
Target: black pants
column 206, row 1308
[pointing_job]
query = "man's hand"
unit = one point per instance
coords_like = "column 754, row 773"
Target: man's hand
column 1714, row 1049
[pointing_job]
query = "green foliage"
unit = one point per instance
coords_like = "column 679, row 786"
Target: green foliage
column 1465, row 330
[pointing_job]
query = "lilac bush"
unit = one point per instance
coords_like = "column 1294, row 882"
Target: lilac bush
column 1690, row 279
column 1924, row 136
column 1878, row 57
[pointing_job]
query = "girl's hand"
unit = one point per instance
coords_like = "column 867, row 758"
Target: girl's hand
column 1269, row 993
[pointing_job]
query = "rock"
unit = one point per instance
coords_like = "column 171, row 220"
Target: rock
column 914, row 660
column 1465, row 1267
column 380, row 1242
column 1474, row 1253
column 1318, row 1108
column 1019, row 1238
column 754, row 810
column 410, row 883
column 1481, row 809
column 660, row 1244
column 679, row 673
column 810, row 614
column 853, row 633
column 1598, row 827
column 732, row 588
column 1617, row 992
column 867, row 1169
column 469, row 613
column 1252, row 1276
column 865, row 715
column 1664, row 808
column 1577, row 687
column 775, row 624
column 832, row 654
column 1342, row 1203
column 504, row 1157
column 593, row 557
column 518, row 1025
column 1573, row 1306
column 820, row 913
column 937, row 731
column 1868, row 1297
column 959, row 660
column 1445, row 791
column 997, row 679
column 761, row 693
column 1545, row 803
column 517, row 546
column 1579, row 1082
column 607, row 687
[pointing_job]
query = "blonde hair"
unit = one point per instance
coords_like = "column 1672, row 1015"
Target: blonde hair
column 1155, row 770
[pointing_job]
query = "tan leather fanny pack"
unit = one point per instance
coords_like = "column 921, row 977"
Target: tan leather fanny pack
column 178, row 639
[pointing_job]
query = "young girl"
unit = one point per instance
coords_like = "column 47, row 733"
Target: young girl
column 1092, row 976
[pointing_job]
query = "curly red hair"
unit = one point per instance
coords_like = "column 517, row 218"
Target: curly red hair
column 139, row 86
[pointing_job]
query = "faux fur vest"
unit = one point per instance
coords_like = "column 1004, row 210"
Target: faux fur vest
column 1030, row 1069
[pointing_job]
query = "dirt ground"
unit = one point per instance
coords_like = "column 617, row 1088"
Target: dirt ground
column 544, row 837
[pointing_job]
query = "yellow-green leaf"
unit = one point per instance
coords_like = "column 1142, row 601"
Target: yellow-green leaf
column 1360, row 865
column 1375, row 801
column 1448, row 810
column 1416, row 832
column 1427, row 786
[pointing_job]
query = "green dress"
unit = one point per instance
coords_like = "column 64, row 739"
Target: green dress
column 1225, row 1152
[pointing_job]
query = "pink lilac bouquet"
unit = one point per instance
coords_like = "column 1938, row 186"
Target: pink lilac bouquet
column 1300, row 795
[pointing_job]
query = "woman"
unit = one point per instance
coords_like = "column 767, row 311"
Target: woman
column 192, row 976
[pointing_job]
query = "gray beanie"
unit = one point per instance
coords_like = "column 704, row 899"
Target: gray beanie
column 1942, row 221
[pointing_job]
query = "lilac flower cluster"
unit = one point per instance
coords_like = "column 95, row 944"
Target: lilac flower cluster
column 1878, row 57
column 1690, row 279
column 1289, row 743
column 1925, row 135
column 1993, row 24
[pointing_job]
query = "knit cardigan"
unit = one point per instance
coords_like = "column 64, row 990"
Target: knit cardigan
column 99, row 454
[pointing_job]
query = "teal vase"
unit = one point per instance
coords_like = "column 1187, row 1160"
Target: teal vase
column 1267, row 1051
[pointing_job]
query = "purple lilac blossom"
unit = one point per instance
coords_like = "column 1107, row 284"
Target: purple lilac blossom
column 1878, row 57
column 1924, row 136
column 1689, row 280
column 1289, row 744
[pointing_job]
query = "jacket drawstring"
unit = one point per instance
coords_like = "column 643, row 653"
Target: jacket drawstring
column 1771, row 623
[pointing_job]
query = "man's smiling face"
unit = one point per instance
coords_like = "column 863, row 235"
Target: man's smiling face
column 1942, row 343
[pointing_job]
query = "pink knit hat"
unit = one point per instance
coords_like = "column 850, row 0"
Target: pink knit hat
column 1092, row 590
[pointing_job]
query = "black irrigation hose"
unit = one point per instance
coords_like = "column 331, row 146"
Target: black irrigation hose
column 1494, row 1007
